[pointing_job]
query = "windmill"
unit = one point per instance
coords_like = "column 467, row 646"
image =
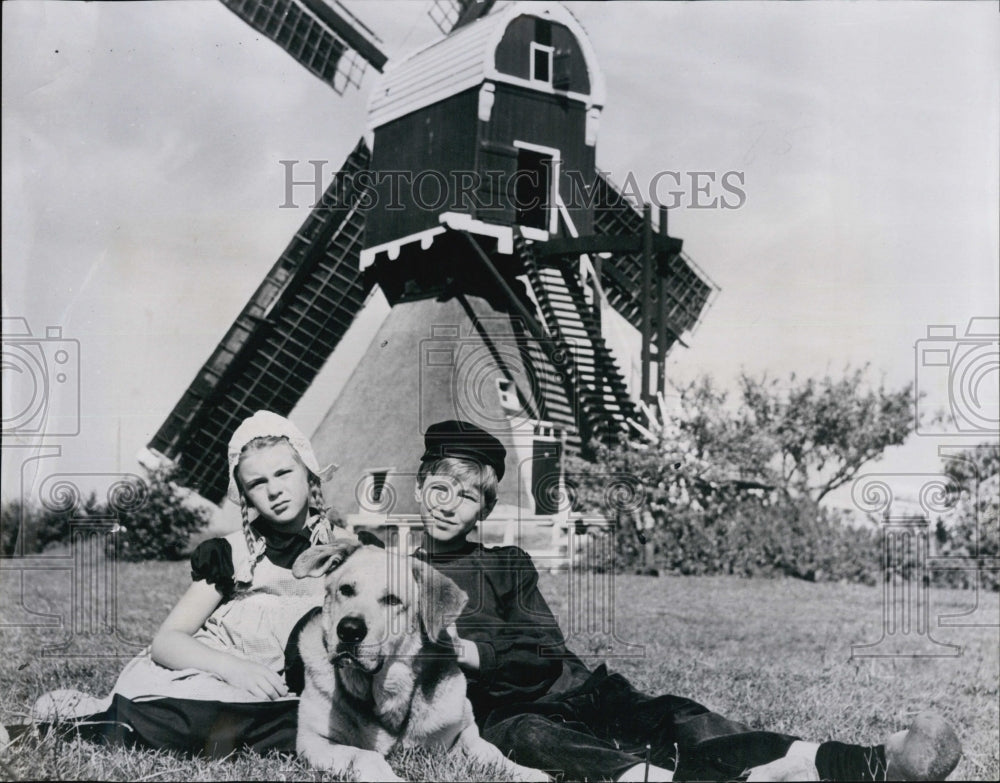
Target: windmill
column 479, row 212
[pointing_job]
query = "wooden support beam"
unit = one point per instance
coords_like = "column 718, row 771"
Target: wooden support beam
column 597, row 262
column 661, row 316
column 608, row 243
column 350, row 30
column 529, row 320
column 646, row 298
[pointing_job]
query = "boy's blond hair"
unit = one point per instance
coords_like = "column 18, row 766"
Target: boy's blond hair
column 483, row 477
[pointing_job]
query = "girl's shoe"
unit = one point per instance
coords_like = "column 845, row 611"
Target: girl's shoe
column 67, row 704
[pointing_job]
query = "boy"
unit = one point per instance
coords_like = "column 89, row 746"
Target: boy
column 539, row 703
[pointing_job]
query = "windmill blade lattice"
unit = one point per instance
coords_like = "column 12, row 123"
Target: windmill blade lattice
column 688, row 290
column 327, row 40
column 449, row 14
column 280, row 340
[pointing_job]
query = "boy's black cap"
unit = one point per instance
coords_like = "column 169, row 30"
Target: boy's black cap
column 466, row 441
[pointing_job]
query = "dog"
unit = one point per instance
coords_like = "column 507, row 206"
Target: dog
column 381, row 670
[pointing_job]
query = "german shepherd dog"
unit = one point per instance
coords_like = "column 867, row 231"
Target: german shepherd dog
column 381, row 670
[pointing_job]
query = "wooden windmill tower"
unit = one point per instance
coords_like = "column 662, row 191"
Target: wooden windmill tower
column 479, row 212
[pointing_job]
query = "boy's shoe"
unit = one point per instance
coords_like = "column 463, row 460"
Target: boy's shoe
column 67, row 704
column 928, row 750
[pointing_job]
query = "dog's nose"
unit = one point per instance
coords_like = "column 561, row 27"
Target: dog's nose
column 351, row 630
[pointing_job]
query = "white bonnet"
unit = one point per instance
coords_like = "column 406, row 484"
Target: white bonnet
column 263, row 424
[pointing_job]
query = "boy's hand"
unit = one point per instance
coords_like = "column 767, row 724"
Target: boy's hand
column 257, row 679
column 468, row 653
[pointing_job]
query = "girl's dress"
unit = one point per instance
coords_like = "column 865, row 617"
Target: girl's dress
column 253, row 621
column 196, row 712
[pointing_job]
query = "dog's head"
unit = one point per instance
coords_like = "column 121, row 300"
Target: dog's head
column 379, row 605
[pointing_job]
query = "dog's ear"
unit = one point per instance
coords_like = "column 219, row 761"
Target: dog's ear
column 370, row 539
column 441, row 601
column 322, row 559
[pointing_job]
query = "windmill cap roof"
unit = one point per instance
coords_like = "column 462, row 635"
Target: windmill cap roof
column 463, row 440
column 465, row 59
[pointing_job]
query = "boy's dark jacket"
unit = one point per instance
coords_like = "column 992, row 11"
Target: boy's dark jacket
column 522, row 653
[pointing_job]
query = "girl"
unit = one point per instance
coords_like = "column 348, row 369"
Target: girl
column 212, row 680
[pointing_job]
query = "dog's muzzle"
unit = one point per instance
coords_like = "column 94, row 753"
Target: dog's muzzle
column 352, row 630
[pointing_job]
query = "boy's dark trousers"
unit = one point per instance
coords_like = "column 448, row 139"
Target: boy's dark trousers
column 600, row 729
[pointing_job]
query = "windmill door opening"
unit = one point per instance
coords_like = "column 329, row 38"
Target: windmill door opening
column 533, row 188
column 545, row 476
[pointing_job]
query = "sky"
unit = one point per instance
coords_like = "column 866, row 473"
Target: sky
column 142, row 184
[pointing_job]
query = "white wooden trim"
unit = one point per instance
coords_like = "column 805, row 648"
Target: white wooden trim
column 459, row 221
column 392, row 247
column 533, row 47
column 555, row 12
column 554, row 197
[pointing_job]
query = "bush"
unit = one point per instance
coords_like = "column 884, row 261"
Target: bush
column 968, row 531
column 763, row 539
column 26, row 528
column 155, row 520
column 699, row 528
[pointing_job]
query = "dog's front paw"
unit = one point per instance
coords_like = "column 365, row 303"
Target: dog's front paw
column 370, row 767
column 529, row 775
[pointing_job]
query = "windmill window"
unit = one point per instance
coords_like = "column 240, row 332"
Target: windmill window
column 375, row 492
column 378, row 484
column 547, row 483
column 508, row 395
column 541, row 63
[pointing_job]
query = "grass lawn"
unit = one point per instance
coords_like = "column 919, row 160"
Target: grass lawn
column 774, row 654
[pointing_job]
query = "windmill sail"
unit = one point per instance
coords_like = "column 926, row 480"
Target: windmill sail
column 279, row 341
column 449, row 14
column 687, row 291
column 324, row 37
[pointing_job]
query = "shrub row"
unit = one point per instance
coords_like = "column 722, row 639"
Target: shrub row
column 152, row 519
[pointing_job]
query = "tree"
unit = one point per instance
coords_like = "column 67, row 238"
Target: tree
column 808, row 437
column 713, row 473
column 804, row 437
column 971, row 466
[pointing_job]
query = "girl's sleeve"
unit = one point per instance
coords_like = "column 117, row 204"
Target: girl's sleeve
column 212, row 561
column 521, row 648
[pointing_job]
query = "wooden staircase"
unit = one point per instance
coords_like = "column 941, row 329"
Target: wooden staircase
column 592, row 380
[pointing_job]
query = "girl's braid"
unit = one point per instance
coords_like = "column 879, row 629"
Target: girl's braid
column 316, row 500
column 255, row 544
column 320, row 523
